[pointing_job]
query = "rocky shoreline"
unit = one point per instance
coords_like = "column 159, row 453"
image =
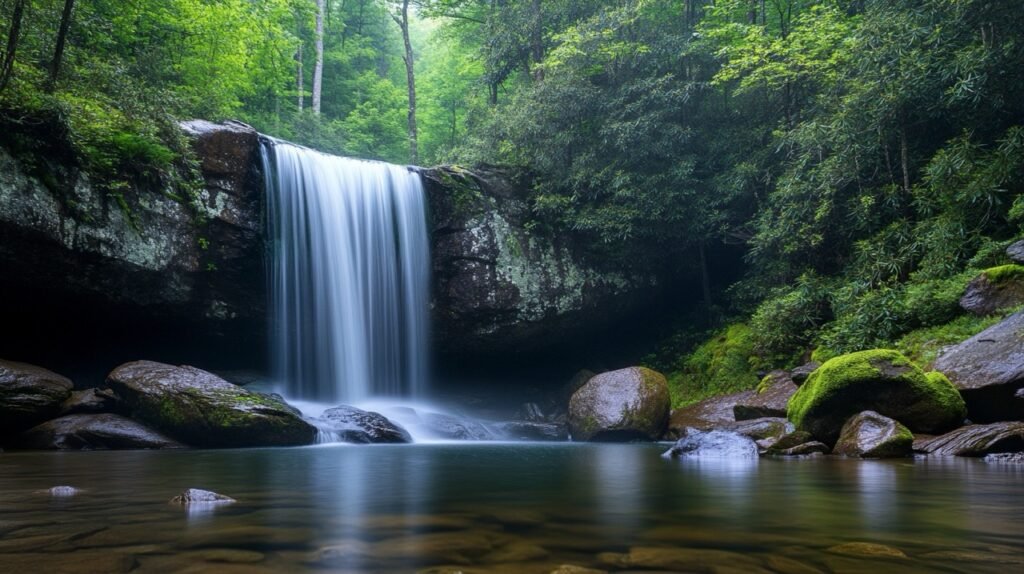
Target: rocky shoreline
column 869, row 404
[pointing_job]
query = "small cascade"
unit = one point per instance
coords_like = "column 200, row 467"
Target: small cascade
column 349, row 276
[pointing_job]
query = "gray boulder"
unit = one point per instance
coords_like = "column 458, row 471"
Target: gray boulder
column 89, row 401
column 713, row 444
column 201, row 409
column 1016, row 251
column 800, row 374
column 29, row 395
column 93, row 432
column 359, row 426
column 988, row 370
column 770, row 399
column 452, row 427
column 994, row 290
column 977, row 440
column 871, row 435
column 623, row 405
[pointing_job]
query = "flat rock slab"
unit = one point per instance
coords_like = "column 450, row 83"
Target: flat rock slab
column 770, row 400
column 93, row 432
column 988, row 369
column 977, row 440
column 708, row 413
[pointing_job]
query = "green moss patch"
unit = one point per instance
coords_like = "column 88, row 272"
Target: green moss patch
column 1004, row 273
column 724, row 364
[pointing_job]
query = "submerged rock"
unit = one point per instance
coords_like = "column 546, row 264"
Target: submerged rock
column 454, row 428
column 871, row 435
column 977, row 440
column 528, row 430
column 988, row 370
column 359, row 426
column 883, row 381
column 93, row 432
column 994, row 290
column 770, row 399
column 199, row 496
column 867, row 550
column 713, row 444
column 61, row 491
column 627, row 404
column 201, row 409
column 29, row 395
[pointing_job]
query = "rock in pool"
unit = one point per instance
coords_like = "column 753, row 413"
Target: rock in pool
column 201, row 409
column 713, row 444
column 628, row 404
column 29, row 395
column 200, row 496
column 93, row 432
column 359, row 426
column 977, row 440
column 871, row 435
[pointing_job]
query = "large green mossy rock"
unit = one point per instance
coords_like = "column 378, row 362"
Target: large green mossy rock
column 883, row 381
column 201, row 409
column 623, row 405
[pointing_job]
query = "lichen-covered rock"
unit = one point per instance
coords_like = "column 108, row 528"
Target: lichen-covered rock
column 770, row 400
column 977, row 440
column 871, row 435
column 883, row 381
column 500, row 285
column 93, row 432
column 707, row 414
column 803, row 449
column 988, row 370
column 359, row 426
column 994, row 289
column 713, row 444
column 201, row 409
column 158, row 256
column 29, row 395
column 790, row 440
column 759, row 429
column 627, row 404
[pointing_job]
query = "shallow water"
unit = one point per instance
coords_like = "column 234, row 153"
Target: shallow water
column 504, row 508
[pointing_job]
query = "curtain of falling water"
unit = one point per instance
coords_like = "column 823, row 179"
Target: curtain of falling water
column 349, row 276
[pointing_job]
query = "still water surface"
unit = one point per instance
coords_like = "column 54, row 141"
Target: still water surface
column 505, row 508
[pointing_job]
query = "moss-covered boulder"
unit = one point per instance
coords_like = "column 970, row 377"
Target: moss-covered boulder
column 878, row 380
column 201, row 409
column 29, row 395
column 871, row 435
column 628, row 404
column 994, row 290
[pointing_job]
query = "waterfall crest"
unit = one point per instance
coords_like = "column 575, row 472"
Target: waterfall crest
column 349, row 279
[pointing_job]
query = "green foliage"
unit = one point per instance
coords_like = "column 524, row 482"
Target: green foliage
column 784, row 325
column 723, row 364
column 923, row 345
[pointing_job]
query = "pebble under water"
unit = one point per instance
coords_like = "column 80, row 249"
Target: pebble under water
column 505, row 508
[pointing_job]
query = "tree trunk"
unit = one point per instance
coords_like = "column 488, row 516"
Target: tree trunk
column 904, row 155
column 537, row 40
column 410, row 77
column 318, row 68
column 12, row 43
column 299, row 80
column 58, row 52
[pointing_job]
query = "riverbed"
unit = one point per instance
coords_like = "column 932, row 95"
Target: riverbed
column 506, row 507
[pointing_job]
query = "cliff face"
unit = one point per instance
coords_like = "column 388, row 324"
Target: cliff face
column 87, row 261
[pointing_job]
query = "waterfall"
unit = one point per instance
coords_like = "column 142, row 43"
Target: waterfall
column 349, row 279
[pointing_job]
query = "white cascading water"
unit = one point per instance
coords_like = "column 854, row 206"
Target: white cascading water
column 349, row 276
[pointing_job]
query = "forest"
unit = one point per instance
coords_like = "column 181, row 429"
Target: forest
column 857, row 160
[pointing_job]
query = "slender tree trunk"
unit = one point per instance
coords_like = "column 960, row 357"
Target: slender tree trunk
column 410, row 77
column 12, row 43
column 299, row 80
column 537, row 40
column 904, row 156
column 58, row 52
column 318, row 68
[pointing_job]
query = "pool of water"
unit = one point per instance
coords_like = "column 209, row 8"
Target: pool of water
column 506, row 508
